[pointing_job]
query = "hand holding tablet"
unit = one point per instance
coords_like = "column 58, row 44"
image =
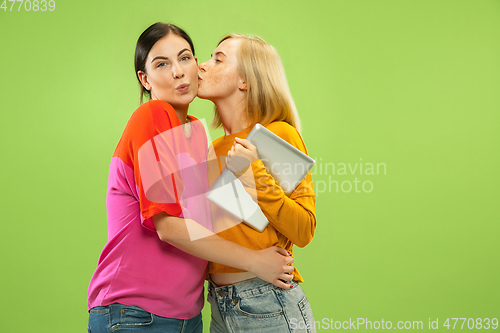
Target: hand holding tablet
column 287, row 164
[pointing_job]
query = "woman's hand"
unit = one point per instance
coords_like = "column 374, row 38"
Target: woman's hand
column 273, row 265
column 242, row 154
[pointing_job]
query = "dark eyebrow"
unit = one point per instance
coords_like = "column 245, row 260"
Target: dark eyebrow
column 166, row 58
column 182, row 51
column 159, row 57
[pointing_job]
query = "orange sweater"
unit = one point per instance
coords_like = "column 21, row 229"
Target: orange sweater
column 291, row 219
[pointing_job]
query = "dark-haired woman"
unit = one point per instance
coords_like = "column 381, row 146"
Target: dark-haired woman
column 151, row 272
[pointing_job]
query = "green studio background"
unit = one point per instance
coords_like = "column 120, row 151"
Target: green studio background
column 410, row 87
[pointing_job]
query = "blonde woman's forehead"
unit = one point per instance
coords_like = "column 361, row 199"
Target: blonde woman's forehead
column 229, row 47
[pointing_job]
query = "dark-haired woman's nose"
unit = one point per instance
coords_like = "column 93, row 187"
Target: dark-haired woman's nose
column 177, row 71
column 178, row 74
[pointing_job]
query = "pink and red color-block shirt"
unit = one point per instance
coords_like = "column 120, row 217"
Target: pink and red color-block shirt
column 136, row 267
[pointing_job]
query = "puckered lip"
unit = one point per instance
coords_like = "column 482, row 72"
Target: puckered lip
column 182, row 86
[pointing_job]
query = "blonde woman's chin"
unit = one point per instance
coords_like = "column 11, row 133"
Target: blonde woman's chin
column 225, row 279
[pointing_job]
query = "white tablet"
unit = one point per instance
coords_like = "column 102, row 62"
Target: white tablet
column 229, row 193
column 287, row 164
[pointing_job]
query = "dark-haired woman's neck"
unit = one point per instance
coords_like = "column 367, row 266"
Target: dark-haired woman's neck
column 181, row 111
column 182, row 115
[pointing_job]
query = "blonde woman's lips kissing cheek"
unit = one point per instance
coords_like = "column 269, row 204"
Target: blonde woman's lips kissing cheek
column 182, row 88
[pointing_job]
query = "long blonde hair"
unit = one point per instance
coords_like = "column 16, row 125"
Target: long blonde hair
column 268, row 95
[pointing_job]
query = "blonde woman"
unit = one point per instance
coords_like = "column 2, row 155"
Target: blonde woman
column 245, row 80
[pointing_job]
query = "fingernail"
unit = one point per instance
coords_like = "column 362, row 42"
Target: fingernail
column 289, row 253
column 291, row 286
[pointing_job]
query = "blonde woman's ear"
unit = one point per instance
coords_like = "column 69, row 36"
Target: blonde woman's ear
column 144, row 80
column 243, row 85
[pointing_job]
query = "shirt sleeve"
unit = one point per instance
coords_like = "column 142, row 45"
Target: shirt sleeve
column 292, row 216
column 151, row 140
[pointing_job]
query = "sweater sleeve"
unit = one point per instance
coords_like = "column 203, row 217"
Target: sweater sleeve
column 292, row 216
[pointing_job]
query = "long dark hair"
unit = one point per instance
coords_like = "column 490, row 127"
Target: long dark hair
column 149, row 38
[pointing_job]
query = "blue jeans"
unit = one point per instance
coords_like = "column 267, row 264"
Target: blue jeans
column 118, row 317
column 258, row 306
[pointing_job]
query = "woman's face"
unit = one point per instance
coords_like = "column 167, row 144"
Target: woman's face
column 171, row 72
column 219, row 76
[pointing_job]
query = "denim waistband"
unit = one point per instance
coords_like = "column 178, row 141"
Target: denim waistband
column 243, row 289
